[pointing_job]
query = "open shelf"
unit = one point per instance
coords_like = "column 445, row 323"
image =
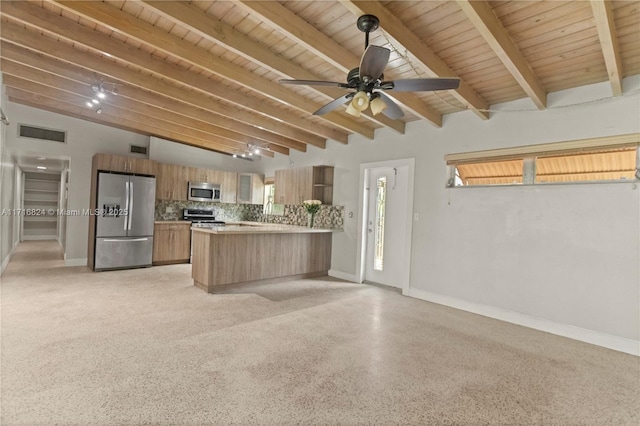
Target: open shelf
column 40, row 192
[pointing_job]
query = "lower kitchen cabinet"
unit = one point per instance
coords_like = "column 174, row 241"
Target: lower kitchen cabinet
column 171, row 242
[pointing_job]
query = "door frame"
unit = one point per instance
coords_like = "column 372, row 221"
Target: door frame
column 363, row 211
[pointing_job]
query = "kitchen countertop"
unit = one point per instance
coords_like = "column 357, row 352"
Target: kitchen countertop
column 172, row 221
column 260, row 228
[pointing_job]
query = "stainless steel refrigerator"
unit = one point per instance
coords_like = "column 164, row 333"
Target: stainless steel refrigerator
column 124, row 223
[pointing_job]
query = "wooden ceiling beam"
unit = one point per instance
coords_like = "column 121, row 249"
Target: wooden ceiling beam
column 487, row 23
column 200, row 23
column 425, row 57
column 123, row 104
column 64, row 101
column 44, row 20
column 54, row 67
column 305, row 34
column 126, row 24
column 18, row 35
column 603, row 16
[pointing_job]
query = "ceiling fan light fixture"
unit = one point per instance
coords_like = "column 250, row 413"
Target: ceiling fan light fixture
column 360, row 101
column 377, row 106
column 352, row 111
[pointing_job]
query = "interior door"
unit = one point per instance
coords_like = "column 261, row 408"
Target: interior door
column 113, row 200
column 386, row 224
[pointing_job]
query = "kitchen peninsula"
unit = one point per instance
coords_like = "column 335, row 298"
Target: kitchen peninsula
column 254, row 252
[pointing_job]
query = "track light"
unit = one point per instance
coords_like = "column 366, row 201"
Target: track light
column 235, row 155
column 95, row 101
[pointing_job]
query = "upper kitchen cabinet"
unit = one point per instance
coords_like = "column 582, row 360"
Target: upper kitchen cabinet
column 172, row 182
column 228, row 187
column 293, row 186
column 119, row 163
column 197, row 174
column 250, row 188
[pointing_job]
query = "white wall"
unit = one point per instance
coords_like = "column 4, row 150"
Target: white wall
column 566, row 256
column 84, row 139
column 165, row 151
column 7, row 198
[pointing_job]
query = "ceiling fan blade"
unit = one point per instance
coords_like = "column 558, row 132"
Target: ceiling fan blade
column 423, row 84
column 334, row 104
column 374, row 61
column 313, row 83
column 392, row 110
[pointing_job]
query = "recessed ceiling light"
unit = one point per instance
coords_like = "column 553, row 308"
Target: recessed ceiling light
column 41, row 167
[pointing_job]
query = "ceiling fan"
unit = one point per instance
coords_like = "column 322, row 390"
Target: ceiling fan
column 368, row 83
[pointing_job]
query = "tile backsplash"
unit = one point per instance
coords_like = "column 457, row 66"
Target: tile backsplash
column 329, row 216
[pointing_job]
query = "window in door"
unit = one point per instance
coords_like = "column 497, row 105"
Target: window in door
column 381, row 192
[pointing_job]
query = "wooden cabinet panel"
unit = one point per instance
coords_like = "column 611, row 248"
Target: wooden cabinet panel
column 228, row 187
column 250, row 189
column 171, row 182
column 197, row 174
column 119, row 163
column 280, row 183
column 293, row 186
column 171, row 243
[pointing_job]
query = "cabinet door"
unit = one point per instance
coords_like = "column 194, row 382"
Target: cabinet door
column 257, row 190
column 304, row 184
column 119, row 163
column 198, row 175
column 280, row 183
column 112, row 163
column 143, row 166
column 164, row 181
column 181, row 183
column 228, row 186
column 245, row 188
column 171, row 243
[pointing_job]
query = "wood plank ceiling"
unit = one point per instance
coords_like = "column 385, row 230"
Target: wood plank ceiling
column 205, row 73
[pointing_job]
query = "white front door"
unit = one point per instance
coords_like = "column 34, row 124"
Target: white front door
column 386, row 225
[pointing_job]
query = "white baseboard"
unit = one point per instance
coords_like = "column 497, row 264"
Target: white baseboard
column 616, row 343
column 76, row 262
column 6, row 260
column 342, row 275
column 38, row 237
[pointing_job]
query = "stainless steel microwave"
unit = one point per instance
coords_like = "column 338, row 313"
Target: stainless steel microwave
column 204, row 191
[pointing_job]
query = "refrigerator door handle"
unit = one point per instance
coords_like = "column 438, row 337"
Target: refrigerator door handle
column 126, row 205
column 111, row 240
column 130, row 212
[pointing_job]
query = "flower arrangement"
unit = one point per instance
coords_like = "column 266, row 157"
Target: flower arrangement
column 312, row 207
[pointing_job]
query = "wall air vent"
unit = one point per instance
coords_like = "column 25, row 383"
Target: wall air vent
column 41, row 133
column 137, row 149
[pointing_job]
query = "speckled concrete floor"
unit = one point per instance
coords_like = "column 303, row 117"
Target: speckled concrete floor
column 145, row 347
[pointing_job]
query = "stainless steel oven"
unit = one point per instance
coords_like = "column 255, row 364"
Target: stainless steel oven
column 204, row 191
column 200, row 218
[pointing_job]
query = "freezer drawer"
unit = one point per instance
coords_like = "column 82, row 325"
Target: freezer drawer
column 116, row 253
